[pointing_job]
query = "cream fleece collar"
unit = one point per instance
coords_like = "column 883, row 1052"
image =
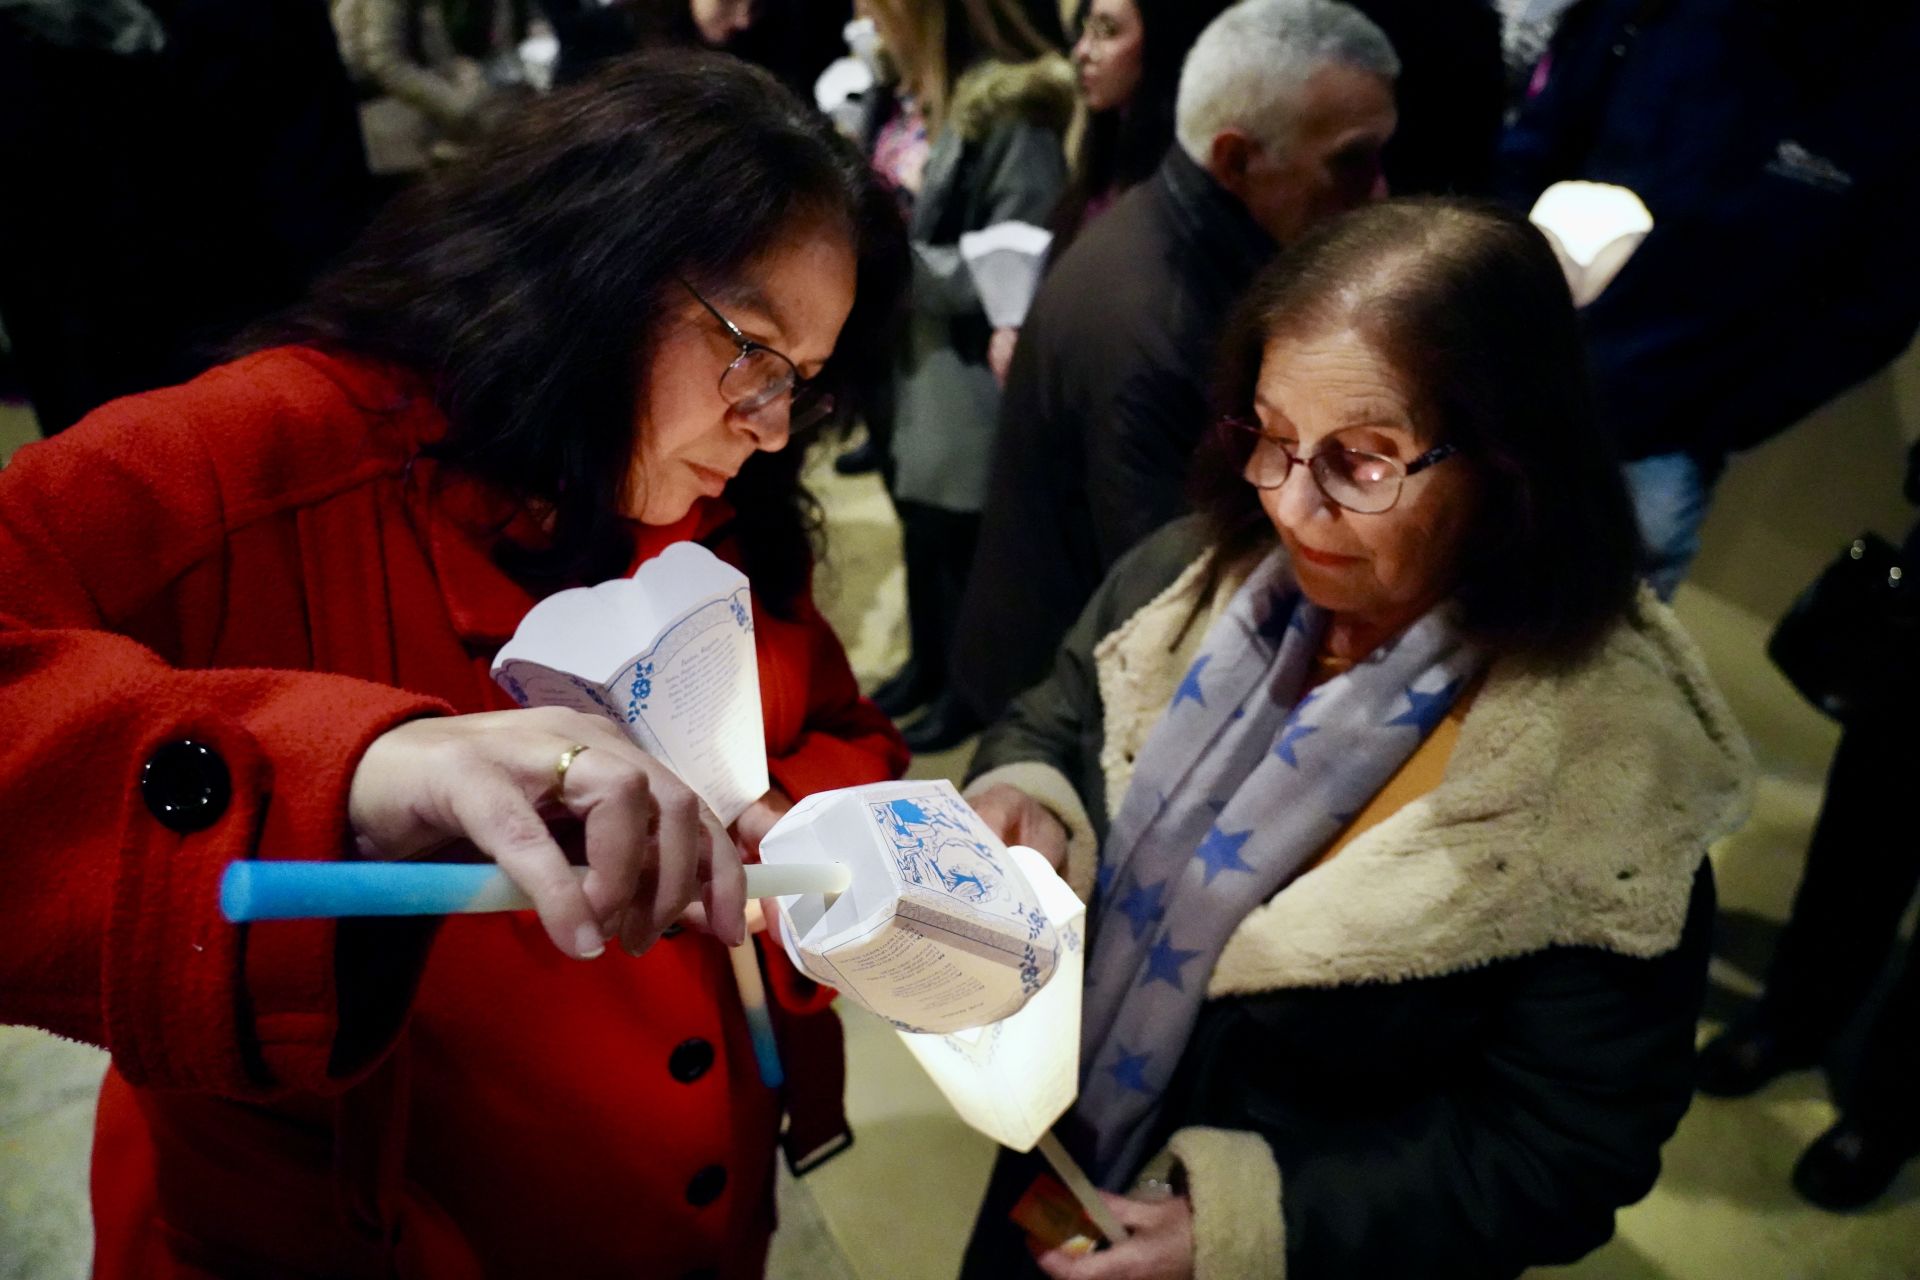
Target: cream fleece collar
column 1574, row 811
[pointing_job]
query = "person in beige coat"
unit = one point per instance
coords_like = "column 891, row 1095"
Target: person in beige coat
column 1390, row 788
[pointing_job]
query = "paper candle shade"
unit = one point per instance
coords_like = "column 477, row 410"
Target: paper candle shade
column 666, row 654
column 941, row 929
column 1012, row 1079
column 1593, row 228
column 1005, row 261
column 839, row 93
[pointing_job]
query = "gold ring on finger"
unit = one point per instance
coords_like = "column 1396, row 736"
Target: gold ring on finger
column 564, row 763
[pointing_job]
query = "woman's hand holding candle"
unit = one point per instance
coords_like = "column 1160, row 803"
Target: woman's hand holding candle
column 651, row 849
column 1159, row 1244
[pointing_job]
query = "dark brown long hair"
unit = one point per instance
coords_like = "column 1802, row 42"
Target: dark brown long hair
column 525, row 284
column 1121, row 147
column 1468, row 303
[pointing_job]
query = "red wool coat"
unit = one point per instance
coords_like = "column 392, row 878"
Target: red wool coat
column 261, row 561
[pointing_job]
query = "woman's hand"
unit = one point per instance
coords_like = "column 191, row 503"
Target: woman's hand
column 1160, row 1248
column 651, row 846
column 1018, row 818
column 751, row 827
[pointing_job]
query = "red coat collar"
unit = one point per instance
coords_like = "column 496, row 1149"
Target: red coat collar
column 466, row 519
column 463, row 519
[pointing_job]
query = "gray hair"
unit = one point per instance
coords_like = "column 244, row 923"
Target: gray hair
column 1248, row 68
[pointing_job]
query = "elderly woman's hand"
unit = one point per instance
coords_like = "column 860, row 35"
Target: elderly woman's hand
column 1018, row 818
column 1160, row 1248
column 651, row 846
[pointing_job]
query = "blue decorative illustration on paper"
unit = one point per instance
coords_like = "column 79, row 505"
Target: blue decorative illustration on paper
column 1030, row 958
column 641, row 689
column 939, row 846
column 935, row 847
column 682, row 635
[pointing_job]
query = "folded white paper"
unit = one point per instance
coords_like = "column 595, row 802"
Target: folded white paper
column 1594, row 228
column 973, row 950
column 838, row 90
column 941, row 929
column 668, row 655
column 1005, row 261
column 1013, row 1078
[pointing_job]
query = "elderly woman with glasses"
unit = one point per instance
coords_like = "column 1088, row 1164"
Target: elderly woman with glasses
column 252, row 617
column 1390, row 790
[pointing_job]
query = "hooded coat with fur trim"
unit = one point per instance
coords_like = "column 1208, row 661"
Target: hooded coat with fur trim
column 1456, row 1047
column 998, row 157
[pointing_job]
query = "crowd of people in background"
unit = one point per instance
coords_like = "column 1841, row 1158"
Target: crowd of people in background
column 476, row 299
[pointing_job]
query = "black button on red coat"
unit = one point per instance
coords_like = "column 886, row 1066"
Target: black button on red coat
column 690, row 1060
column 186, row 786
column 706, row 1186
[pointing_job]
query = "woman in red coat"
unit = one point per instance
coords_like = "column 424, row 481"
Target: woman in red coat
column 252, row 617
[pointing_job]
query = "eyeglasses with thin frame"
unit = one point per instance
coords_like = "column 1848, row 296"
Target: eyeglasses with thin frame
column 1365, row 483
column 759, row 376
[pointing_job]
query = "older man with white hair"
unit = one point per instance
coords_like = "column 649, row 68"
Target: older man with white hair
column 1283, row 109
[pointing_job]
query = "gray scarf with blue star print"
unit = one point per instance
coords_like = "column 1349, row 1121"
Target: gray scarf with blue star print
column 1240, row 785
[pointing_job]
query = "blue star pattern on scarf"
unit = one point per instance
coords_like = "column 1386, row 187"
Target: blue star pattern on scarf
column 1190, row 686
column 1130, row 1070
column 1221, row 851
column 1291, row 739
column 1426, row 710
column 1143, row 906
column 1163, row 964
column 1103, row 880
column 1290, row 761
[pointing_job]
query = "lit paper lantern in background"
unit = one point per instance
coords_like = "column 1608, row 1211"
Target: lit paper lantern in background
column 1594, row 228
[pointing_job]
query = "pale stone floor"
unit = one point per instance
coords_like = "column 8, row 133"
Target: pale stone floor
column 898, row 1205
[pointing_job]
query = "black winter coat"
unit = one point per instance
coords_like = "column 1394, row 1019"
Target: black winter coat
column 1773, row 144
column 1456, row 1048
column 1106, row 399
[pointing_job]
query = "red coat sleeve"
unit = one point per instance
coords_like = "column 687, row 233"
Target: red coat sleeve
column 112, row 580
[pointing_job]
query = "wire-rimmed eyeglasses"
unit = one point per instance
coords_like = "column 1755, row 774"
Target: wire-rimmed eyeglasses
column 1359, row 481
column 759, row 376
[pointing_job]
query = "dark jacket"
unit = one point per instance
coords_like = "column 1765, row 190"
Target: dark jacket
column 1107, row 397
column 1774, row 146
column 1451, row 93
column 1456, row 1047
column 997, row 158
